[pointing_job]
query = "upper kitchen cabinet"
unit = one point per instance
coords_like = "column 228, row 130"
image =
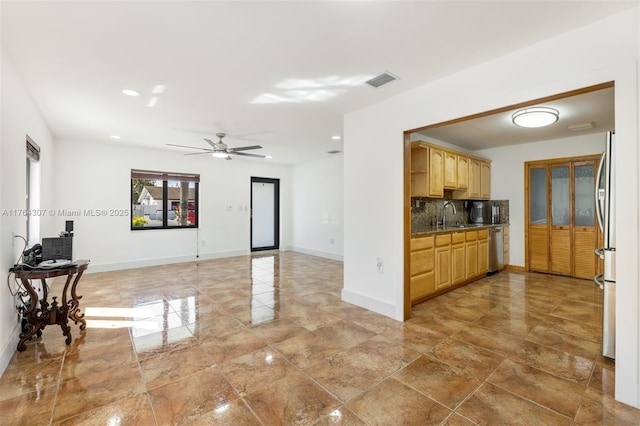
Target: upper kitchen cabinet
column 450, row 170
column 427, row 171
column 561, row 232
column 435, row 169
column 485, row 180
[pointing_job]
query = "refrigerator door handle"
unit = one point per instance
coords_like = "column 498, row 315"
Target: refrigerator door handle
column 599, row 252
column 599, row 212
column 597, row 279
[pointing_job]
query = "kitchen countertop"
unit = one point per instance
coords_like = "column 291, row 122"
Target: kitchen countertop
column 452, row 228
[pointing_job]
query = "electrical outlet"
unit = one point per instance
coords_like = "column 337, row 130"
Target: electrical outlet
column 379, row 265
column 332, row 241
column 203, row 243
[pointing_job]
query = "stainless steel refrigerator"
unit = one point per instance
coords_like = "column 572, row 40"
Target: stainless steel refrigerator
column 605, row 209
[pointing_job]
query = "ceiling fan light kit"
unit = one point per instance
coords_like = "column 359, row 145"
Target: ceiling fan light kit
column 535, row 117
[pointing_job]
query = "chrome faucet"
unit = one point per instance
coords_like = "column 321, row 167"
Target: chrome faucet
column 444, row 212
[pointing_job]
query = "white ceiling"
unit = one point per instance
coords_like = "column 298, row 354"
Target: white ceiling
column 278, row 74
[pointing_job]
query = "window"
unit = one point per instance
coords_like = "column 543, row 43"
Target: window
column 161, row 200
column 33, row 191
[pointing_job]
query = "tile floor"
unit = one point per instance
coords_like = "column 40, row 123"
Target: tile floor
column 266, row 340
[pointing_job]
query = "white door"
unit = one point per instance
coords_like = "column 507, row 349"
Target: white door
column 264, row 213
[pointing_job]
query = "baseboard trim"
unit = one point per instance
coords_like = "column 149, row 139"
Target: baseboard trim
column 143, row 263
column 515, row 268
column 9, row 348
column 317, row 253
column 369, row 303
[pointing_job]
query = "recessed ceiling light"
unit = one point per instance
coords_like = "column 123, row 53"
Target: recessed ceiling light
column 116, row 137
column 152, row 101
column 130, row 92
column 268, row 156
column 336, row 138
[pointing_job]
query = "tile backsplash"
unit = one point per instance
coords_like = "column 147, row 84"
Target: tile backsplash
column 427, row 212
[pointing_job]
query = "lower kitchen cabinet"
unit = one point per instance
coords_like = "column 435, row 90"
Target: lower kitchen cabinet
column 471, row 246
column 483, row 251
column 422, row 267
column 458, row 256
column 443, row 260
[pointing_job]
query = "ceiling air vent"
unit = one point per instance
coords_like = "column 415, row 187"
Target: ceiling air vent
column 378, row 81
column 334, row 151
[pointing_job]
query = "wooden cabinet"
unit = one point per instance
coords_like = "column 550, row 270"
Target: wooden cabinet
column 440, row 261
column 427, row 171
column 483, row 251
column 485, row 180
column 436, row 172
column 463, row 172
column 443, row 261
column 450, row 170
column 435, row 169
column 471, row 246
column 475, row 188
column 458, row 257
column 422, row 267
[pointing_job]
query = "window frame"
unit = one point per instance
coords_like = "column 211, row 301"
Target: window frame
column 165, row 177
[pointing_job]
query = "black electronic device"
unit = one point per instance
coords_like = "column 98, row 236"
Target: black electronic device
column 57, row 248
column 33, row 255
column 68, row 227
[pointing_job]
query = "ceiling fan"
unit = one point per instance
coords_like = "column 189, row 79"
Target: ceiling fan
column 221, row 150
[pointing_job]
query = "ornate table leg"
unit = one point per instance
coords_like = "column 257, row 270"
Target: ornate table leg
column 74, row 303
column 58, row 315
column 34, row 320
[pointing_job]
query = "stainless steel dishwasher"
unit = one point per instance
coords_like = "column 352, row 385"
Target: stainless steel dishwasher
column 496, row 248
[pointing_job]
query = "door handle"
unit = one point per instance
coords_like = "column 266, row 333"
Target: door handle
column 599, row 252
column 599, row 213
column 598, row 282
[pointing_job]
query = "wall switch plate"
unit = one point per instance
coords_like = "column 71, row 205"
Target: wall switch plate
column 379, row 265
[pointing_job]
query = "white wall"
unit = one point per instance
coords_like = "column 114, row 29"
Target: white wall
column 507, row 177
column 600, row 52
column 317, row 199
column 100, row 179
column 19, row 117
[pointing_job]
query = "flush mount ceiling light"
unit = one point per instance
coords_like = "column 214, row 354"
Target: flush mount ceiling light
column 535, row 117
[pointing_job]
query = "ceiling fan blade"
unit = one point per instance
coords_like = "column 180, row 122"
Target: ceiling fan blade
column 198, row 153
column 246, row 154
column 210, row 142
column 245, row 148
column 190, row 147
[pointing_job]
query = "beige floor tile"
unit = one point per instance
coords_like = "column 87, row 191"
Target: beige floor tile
column 491, row 405
column 191, row 398
column 345, row 375
column 392, row 402
column 538, row 386
column 265, row 339
column 444, row 383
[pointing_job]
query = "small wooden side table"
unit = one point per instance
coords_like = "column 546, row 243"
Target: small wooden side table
column 41, row 313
